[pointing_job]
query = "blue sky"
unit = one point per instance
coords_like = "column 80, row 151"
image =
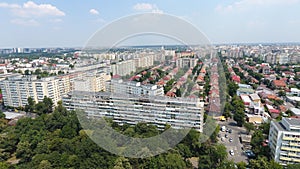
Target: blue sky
column 58, row 23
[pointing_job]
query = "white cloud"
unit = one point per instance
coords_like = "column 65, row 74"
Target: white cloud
column 146, row 7
column 143, row 6
column 94, row 12
column 248, row 4
column 25, row 22
column 32, row 10
column 56, row 20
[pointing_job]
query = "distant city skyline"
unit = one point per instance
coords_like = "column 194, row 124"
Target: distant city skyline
column 55, row 23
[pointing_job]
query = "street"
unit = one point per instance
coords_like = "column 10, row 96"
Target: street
column 235, row 145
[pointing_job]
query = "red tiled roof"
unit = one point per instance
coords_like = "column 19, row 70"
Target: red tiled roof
column 236, row 78
column 279, row 83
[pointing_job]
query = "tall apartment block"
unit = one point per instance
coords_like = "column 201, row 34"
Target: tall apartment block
column 132, row 87
column 17, row 88
column 284, row 140
column 131, row 109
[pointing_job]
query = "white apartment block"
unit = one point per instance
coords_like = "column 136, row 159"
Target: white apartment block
column 144, row 61
column 123, row 68
column 284, row 140
column 135, row 88
column 131, row 109
column 17, row 88
column 186, row 62
column 91, row 82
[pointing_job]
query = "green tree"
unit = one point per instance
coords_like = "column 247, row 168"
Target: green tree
column 45, row 164
column 122, row 163
column 29, row 107
column 249, row 127
column 293, row 166
column 4, row 165
column 239, row 117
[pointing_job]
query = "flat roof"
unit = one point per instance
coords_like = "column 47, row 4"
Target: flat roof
column 246, row 98
column 12, row 115
column 295, row 111
column 254, row 96
column 293, row 121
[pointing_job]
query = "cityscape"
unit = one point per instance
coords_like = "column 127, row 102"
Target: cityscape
column 231, row 104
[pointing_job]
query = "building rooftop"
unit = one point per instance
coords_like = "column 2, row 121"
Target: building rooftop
column 254, row 97
column 13, row 115
column 295, row 111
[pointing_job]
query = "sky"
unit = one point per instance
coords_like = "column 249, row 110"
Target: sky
column 57, row 23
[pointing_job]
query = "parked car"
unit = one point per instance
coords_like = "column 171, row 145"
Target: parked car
column 230, row 140
column 231, row 152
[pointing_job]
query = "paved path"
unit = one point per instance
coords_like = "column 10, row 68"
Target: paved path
column 235, row 145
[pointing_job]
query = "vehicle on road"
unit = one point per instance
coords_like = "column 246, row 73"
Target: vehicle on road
column 230, row 131
column 249, row 154
column 231, row 152
column 226, row 136
column 230, row 140
column 223, row 128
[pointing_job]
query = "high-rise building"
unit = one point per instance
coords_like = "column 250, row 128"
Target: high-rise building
column 131, row 109
column 91, row 82
column 284, row 140
column 123, row 68
column 133, row 87
column 17, row 88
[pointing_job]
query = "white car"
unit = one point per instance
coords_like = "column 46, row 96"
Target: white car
column 231, row 152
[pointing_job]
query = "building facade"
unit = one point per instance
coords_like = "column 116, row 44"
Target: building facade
column 17, row 88
column 133, row 87
column 284, row 141
column 131, row 109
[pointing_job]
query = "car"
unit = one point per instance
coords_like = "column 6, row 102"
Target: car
column 230, row 140
column 231, row 152
column 230, row 131
column 249, row 154
column 223, row 128
column 227, row 130
column 226, row 136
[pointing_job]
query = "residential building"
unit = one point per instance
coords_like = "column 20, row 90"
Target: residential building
column 186, row 62
column 17, row 88
column 279, row 83
column 284, row 141
column 131, row 109
column 244, row 89
column 123, row 68
column 295, row 92
column 91, row 82
column 133, row 87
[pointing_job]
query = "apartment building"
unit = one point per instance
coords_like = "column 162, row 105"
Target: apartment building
column 186, row 62
column 133, row 87
column 123, row 68
column 284, row 140
column 131, row 109
column 91, row 82
column 17, row 88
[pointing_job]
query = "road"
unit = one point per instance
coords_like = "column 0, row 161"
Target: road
column 235, row 145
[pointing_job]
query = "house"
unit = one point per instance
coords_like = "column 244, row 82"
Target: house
column 295, row 92
column 279, row 84
column 295, row 111
column 236, row 79
column 273, row 112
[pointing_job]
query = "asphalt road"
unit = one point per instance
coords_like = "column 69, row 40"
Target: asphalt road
column 235, row 145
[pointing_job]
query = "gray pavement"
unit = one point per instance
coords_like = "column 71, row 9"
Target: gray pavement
column 235, row 145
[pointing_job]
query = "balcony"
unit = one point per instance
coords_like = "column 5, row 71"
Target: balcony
column 290, row 149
